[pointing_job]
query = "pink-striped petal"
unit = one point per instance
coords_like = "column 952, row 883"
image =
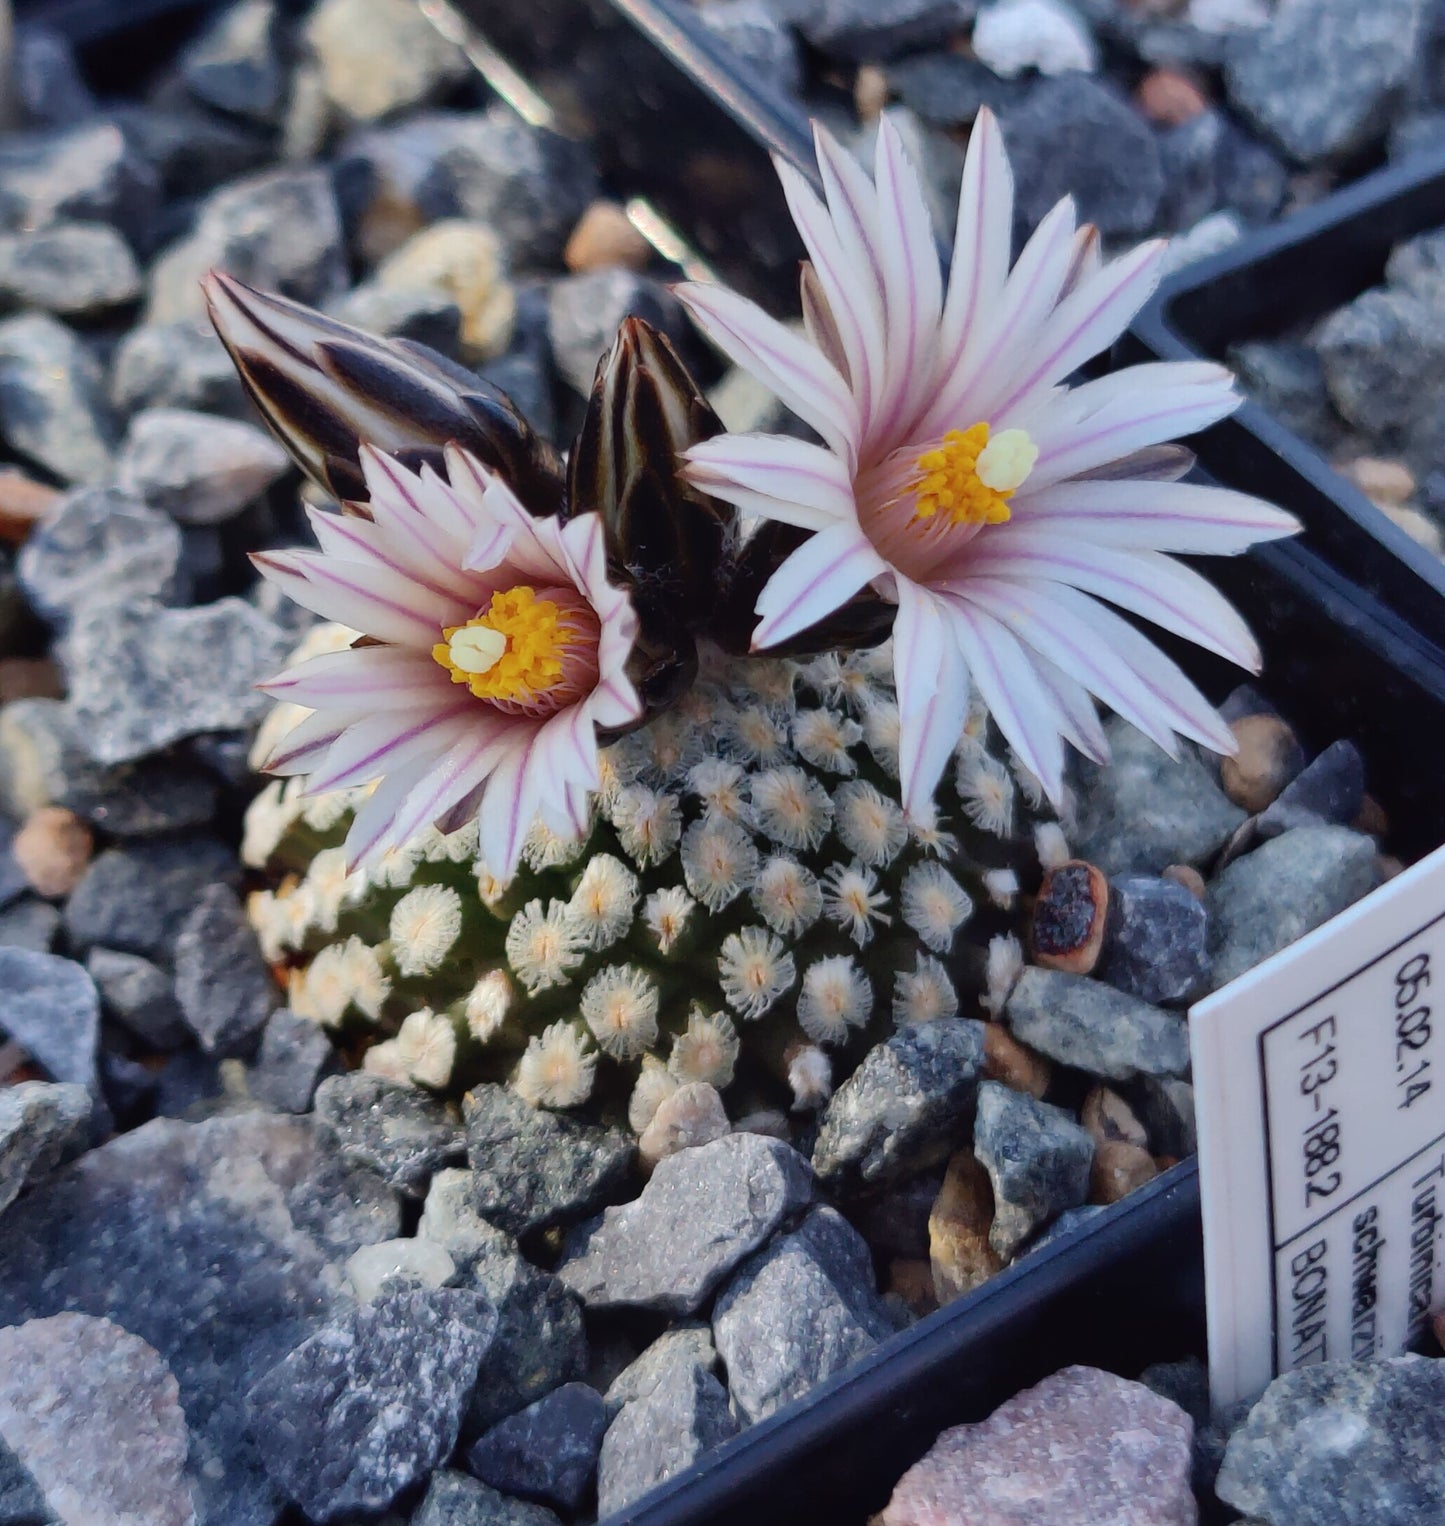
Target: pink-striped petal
column 365, row 679
column 819, row 577
column 381, row 745
column 932, row 684
column 461, row 770
column 372, row 600
column 308, row 741
column 1082, row 725
column 531, row 547
column 373, row 830
column 400, row 501
column 347, row 537
column 509, row 806
column 775, row 477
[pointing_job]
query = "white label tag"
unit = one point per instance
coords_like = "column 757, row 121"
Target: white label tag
column 1319, row 1089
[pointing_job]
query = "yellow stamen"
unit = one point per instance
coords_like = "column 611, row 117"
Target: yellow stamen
column 970, row 478
column 511, row 650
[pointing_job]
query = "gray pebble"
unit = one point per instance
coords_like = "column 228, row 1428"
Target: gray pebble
column 198, row 469
column 48, row 80
column 1329, row 792
column 223, row 985
column 235, row 65
column 753, row 34
column 455, row 1499
column 138, row 995
column 866, row 30
column 584, row 312
column 29, row 924
column 21, row 1502
column 1380, row 354
column 86, row 173
column 948, row 89
column 176, row 365
column 49, row 1006
column 53, row 408
column 1156, row 947
column 295, row 1057
column 41, row 1125
column 1286, row 377
column 72, row 269
column 1037, row 1158
column 701, row 1212
column 424, row 317
column 1091, row 1026
column 684, row 1345
column 399, row 1132
column 548, row 1452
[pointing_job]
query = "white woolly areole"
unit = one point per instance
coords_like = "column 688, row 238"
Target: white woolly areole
column 924, row 993
column 655, row 1084
column 604, row 900
column 1002, row 886
column 706, row 1051
column 666, row 913
column 721, row 786
column 557, row 1068
column 791, row 808
column 754, row 970
column 1004, row 966
column 544, row 848
column 619, row 1005
column 1051, row 845
column 487, row 1005
column 324, row 989
column 332, row 887
column 870, row 825
column 719, row 861
column 648, row 823
column 755, row 734
column 268, row 818
column 987, row 791
column 852, row 900
column 882, row 728
column 423, row 1050
column 934, row 905
column 787, row 896
column 425, row 924
column 543, row 945
column 835, row 997
column 810, row 1074
column 825, row 739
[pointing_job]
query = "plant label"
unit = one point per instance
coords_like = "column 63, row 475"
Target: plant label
column 1319, row 1088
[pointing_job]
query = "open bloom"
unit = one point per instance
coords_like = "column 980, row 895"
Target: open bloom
column 962, row 480
column 495, row 649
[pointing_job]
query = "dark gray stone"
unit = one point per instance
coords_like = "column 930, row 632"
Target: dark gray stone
column 1418, row 267
column 1075, row 135
column 138, row 995
column 223, row 985
column 72, row 269
column 85, row 173
column 279, row 230
column 1186, row 1383
column 532, row 1169
column 13, row 880
column 1341, row 1443
column 192, row 151
column 585, row 311
column 1157, row 944
column 684, row 1345
column 200, row 470
column 49, row 1006
column 52, row 399
column 49, row 83
column 1285, row 888
column 1287, row 378
column 1330, row 792
column 295, row 1057
column 21, row 1502
column 235, row 64
column 867, row 30
column 97, row 544
column 1380, row 354
column 906, row 1106
column 1210, row 164
column 29, row 924
column 397, row 1131
column 1091, row 1026
column 1143, row 810
column 456, row 1499
column 369, row 1405
column 424, row 317
column 220, row 1244
column 799, row 1311
column 1037, row 1158
column 1165, row 1106
column 176, row 365
column 701, row 1212
column 189, row 1085
column 1069, row 1219
column 143, row 676
column 136, row 898
column 761, row 43
column 41, row 1125
column 1415, row 134
column 1322, row 78
column 548, row 1452
column 949, row 89
column 661, row 1432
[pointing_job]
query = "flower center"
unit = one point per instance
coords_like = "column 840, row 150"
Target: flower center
column 969, row 477
column 514, row 649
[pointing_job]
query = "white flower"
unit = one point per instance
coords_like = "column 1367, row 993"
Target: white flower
column 824, row 739
column 835, row 997
column 707, row 1051
column 852, row 899
column 721, row 786
column 543, row 945
column 498, row 650
column 810, row 1074
column 487, row 1005
column 754, row 970
column 923, row 993
column 425, row 923
column 960, row 478
column 792, row 809
column 604, row 899
column 422, row 1052
column 870, row 825
column 1051, row 845
column 787, row 896
column 987, row 793
column 666, row 913
column 557, row 1068
column 655, row 1084
column 648, row 822
column 934, row 905
column 1005, row 965
column 719, row 861
column 619, row 1005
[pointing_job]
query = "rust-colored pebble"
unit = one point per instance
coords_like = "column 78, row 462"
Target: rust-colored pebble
column 1119, row 1168
column 53, row 849
column 1170, row 98
column 870, row 92
column 30, row 678
column 912, row 1281
column 1111, row 1120
column 1269, row 757
column 23, row 500
column 1188, row 876
column 1013, row 1063
column 958, row 1229
column 1069, row 913
column 604, row 236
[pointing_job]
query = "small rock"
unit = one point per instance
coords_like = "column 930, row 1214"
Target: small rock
column 279, row 231
column 1108, row 1118
column 1379, row 354
column 192, row 151
column 448, row 1219
column 13, row 883
column 235, row 64
column 1075, row 135
column 426, row 317
column 223, row 985
column 53, row 848
column 24, row 502
column 1011, row 36
column 176, row 365
column 1069, row 916
column 1269, row 757
column 1119, row 1167
column 693, row 1115
column 906, row 1104
column 950, row 89
column 959, row 1252
column 52, row 399
column 1287, row 378
column 1144, row 810
column 1210, row 236
column 21, row 1502
column 295, row 1057
column 380, row 57
column 456, row 1499
column 763, row 45
column 370, row 1404
column 1016, row 1065
column 1285, row 888
column 1158, row 943
column 48, row 80
column 49, row 1006
column 199, row 469
column 73, row 1386
column 1082, row 1446
column 143, row 676
column 700, row 1214
column 1386, row 483
column 604, row 236
column 532, row 1169
column 1037, row 1158
column 76, row 270
column 585, row 311
column 660, row 1433
column 41, row 1125
column 462, row 261
column 1211, row 165
column 400, row 1133
column 415, row 1261
column 1341, row 1443
column 29, row 924
column 85, row 173
column 1170, row 98
column 895, row 1223
column 1331, row 791
column 1090, row 1025
column 548, row 1452
column 869, row 30
column 140, row 996
column 1320, row 80
column 684, row 1345
column 800, row 1310
column 1066, row 1223
column 1166, row 1109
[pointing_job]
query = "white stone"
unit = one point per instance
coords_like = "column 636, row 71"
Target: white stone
column 1221, row 16
column 373, row 1266
column 1209, row 236
column 1013, row 35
